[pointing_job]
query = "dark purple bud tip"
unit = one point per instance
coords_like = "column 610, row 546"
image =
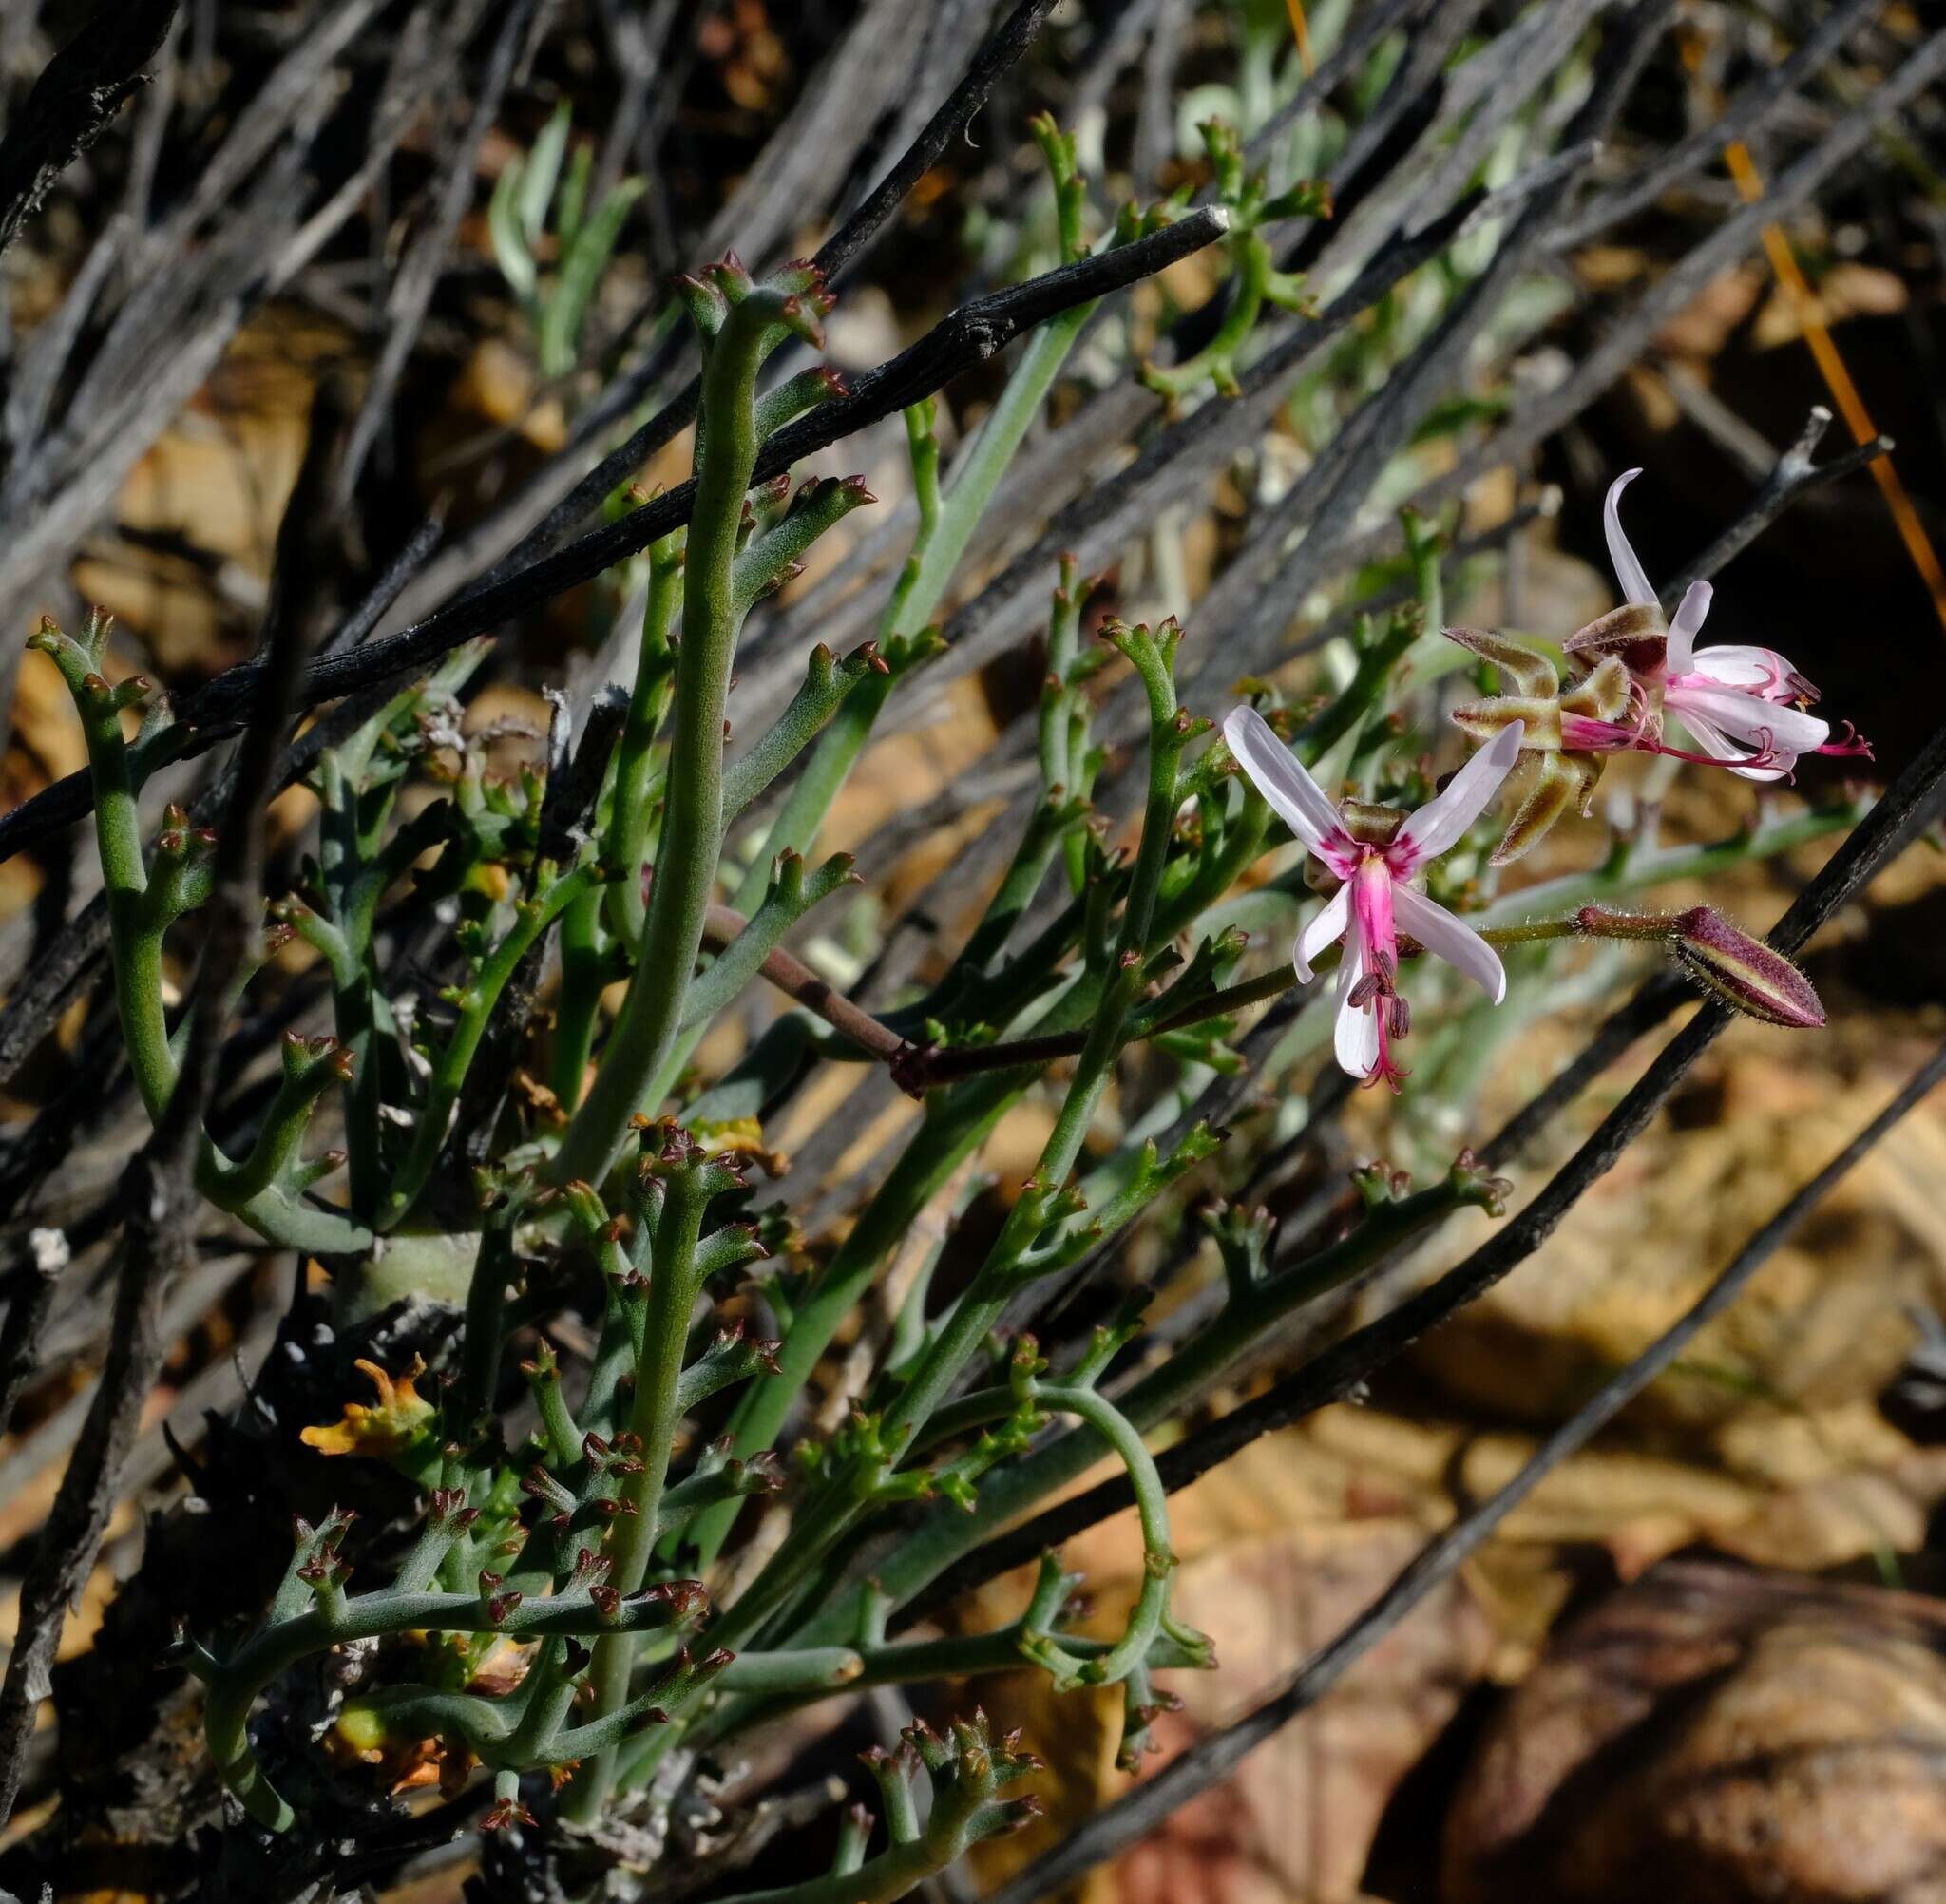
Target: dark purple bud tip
column 1746, row 974
column 682, row 1597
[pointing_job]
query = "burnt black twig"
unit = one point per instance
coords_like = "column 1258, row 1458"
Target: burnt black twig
column 1009, row 40
column 1794, row 475
column 74, row 102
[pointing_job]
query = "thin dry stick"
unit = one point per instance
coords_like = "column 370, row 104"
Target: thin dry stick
column 410, row 296
column 854, row 238
column 1211, row 1760
column 792, row 976
column 968, row 336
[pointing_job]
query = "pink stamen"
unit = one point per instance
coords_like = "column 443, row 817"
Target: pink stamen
column 1580, row 735
column 1775, row 686
column 1391, row 1074
column 1767, row 755
column 1850, row 742
column 1392, row 1018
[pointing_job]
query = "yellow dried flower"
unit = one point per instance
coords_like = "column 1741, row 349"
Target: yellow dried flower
column 383, row 1431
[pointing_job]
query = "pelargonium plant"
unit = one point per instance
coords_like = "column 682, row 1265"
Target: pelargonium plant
column 561, row 1594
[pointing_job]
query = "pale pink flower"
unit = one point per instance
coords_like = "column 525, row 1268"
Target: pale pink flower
column 1374, row 901
column 1747, row 707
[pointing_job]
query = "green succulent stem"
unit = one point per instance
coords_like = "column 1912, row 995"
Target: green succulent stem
column 790, row 896
column 653, row 1419
column 832, row 1515
column 1015, row 1489
column 764, row 1685
column 947, row 525
column 954, row 1126
column 966, row 1778
column 138, row 918
column 236, row 1683
column 1072, row 1667
column 481, row 994
column 827, row 685
column 832, row 757
column 632, row 803
column 691, row 838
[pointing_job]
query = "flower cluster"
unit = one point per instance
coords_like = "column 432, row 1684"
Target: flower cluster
column 1633, row 675
column 1632, row 678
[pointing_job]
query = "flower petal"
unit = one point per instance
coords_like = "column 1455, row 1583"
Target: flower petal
column 1356, row 1034
column 1629, row 570
column 1760, row 671
column 1322, row 930
column 1294, row 796
column 1712, row 740
column 1747, row 717
column 1450, row 939
column 1684, row 625
column 1441, row 821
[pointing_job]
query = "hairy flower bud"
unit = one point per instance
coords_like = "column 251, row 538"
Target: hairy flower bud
column 1745, row 973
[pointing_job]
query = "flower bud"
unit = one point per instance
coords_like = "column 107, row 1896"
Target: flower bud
column 1745, row 973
